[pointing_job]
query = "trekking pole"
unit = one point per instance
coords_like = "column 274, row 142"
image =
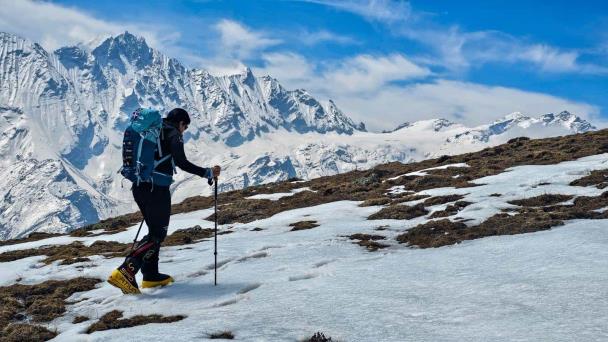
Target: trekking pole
column 136, row 235
column 215, row 216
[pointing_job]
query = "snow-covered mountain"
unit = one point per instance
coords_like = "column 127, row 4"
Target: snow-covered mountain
column 62, row 114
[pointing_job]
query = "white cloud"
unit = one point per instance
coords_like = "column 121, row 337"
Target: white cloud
column 457, row 50
column 241, row 42
column 379, row 10
column 54, row 26
column 365, row 73
column 352, row 76
column 292, row 70
column 313, row 38
column 364, row 88
column 468, row 103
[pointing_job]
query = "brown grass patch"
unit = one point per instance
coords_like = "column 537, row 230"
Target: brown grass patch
column 35, row 236
column 78, row 252
column 71, row 253
column 80, row 319
column 303, row 225
column 21, row 332
column 450, row 210
column 431, row 234
column 598, row 178
column 318, row 337
column 375, row 201
column 113, row 320
column 369, row 241
column 188, row 236
column 442, row 199
column 410, row 198
column 37, row 303
column 109, row 226
column 520, row 220
column 400, row 212
column 542, row 200
column 221, row 335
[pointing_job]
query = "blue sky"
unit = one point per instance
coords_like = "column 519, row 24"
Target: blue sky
column 383, row 62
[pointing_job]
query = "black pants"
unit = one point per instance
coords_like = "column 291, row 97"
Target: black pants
column 155, row 205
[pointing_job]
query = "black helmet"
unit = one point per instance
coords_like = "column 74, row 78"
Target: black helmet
column 177, row 115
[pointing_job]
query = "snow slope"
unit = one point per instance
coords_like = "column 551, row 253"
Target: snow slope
column 62, row 115
column 278, row 285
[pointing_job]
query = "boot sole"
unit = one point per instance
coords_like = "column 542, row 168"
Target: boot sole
column 118, row 280
column 148, row 284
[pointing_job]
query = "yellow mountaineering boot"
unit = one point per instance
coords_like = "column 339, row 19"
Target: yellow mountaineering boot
column 156, row 280
column 124, row 280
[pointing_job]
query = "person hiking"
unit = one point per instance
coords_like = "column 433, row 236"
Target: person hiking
column 154, row 199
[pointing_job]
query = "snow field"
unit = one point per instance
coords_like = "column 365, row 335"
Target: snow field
column 278, row 285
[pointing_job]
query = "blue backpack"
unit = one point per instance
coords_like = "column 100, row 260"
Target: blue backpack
column 140, row 143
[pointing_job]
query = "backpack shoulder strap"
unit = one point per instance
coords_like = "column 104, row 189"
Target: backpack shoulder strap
column 170, row 131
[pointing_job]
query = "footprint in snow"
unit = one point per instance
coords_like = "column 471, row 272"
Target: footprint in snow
column 303, row 276
column 265, row 248
column 226, row 303
column 197, row 274
column 249, row 288
column 253, row 256
column 323, row 263
column 219, row 264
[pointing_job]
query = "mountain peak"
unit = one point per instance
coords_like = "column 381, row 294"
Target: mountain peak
column 5, row 36
column 515, row 116
column 124, row 47
column 568, row 120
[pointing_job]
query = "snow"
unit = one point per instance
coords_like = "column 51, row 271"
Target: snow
column 424, row 173
column 397, row 189
column 278, row 285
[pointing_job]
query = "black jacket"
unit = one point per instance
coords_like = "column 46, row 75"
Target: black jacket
column 172, row 142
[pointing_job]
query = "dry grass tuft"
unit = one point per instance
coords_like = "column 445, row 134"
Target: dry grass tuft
column 109, row 226
column 80, row 319
column 113, row 320
column 375, row 201
column 400, row 212
column 21, row 332
column 599, row 178
column 37, row 303
column 450, row 210
column 303, row 225
column 188, row 236
column 74, row 252
column 222, row 335
column 318, row 337
column 409, row 198
column 369, row 241
column 432, row 234
column 542, row 200
column 442, row 199
column 78, row 252
column 35, row 236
